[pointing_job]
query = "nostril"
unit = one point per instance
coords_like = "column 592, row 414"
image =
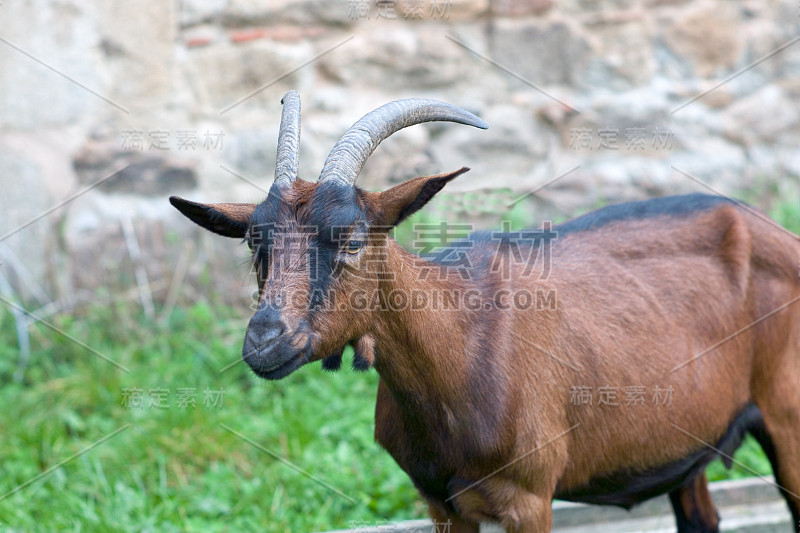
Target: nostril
column 263, row 335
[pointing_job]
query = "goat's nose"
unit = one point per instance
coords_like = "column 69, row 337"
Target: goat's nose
column 265, row 326
column 261, row 336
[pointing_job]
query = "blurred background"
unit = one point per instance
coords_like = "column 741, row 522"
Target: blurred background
column 121, row 322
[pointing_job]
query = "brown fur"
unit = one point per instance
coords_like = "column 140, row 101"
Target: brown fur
column 634, row 301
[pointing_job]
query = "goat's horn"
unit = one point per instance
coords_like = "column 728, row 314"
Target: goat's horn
column 288, row 140
column 352, row 150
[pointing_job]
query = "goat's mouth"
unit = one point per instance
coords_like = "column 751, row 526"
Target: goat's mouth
column 277, row 360
column 281, row 369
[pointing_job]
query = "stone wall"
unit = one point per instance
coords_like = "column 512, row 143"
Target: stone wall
column 110, row 107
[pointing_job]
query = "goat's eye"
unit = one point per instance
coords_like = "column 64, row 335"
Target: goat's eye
column 353, row 247
column 247, row 240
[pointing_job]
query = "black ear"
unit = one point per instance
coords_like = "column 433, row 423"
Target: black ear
column 229, row 220
column 401, row 201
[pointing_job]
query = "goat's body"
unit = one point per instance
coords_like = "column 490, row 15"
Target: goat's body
column 659, row 295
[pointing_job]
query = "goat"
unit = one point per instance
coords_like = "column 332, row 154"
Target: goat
column 692, row 294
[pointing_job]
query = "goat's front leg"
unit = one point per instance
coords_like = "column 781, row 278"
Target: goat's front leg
column 445, row 521
column 528, row 513
column 497, row 500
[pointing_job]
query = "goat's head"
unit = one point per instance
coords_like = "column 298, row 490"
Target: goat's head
column 315, row 244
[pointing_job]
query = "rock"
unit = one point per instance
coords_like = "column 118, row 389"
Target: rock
column 428, row 10
column 299, row 12
column 389, row 55
column 252, row 153
column 201, row 35
column 140, row 67
column 623, row 56
column 469, row 9
column 514, row 151
column 790, row 163
column 610, row 178
column 194, row 12
column 543, row 53
column 580, row 7
column 247, row 74
column 222, row 66
column 635, row 121
column 515, row 8
column 764, row 116
column 24, row 198
column 146, row 173
column 45, row 73
column 708, row 35
column 715, row 162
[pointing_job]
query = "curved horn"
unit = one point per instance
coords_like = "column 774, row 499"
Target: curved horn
column 351, row 151
column 288, row 140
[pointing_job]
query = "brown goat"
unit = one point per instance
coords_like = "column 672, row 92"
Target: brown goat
column 501, row 374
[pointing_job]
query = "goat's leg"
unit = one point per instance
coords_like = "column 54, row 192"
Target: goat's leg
column 781, row 444
column 446, row 522
column 529, row 513
column 498, row 500
column 778, row 398
column 694, row 509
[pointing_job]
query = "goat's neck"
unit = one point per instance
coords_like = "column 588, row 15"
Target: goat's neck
column 443, row 368
column 424, row 351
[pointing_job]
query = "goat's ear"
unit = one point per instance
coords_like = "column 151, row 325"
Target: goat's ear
column 394, row 205
column 229, row 220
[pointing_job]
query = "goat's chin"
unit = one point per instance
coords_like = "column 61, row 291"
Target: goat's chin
column 278, row 366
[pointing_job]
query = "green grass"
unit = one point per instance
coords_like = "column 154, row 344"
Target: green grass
column 750, row 461
column 180, row 469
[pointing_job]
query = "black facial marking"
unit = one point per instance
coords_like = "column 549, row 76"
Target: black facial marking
column 335, row 207
column 328, row 219
column 263, row 223
column 269, row 210
column 334, row 211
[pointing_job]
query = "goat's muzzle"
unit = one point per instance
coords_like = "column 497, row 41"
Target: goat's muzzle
column 272, row 349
